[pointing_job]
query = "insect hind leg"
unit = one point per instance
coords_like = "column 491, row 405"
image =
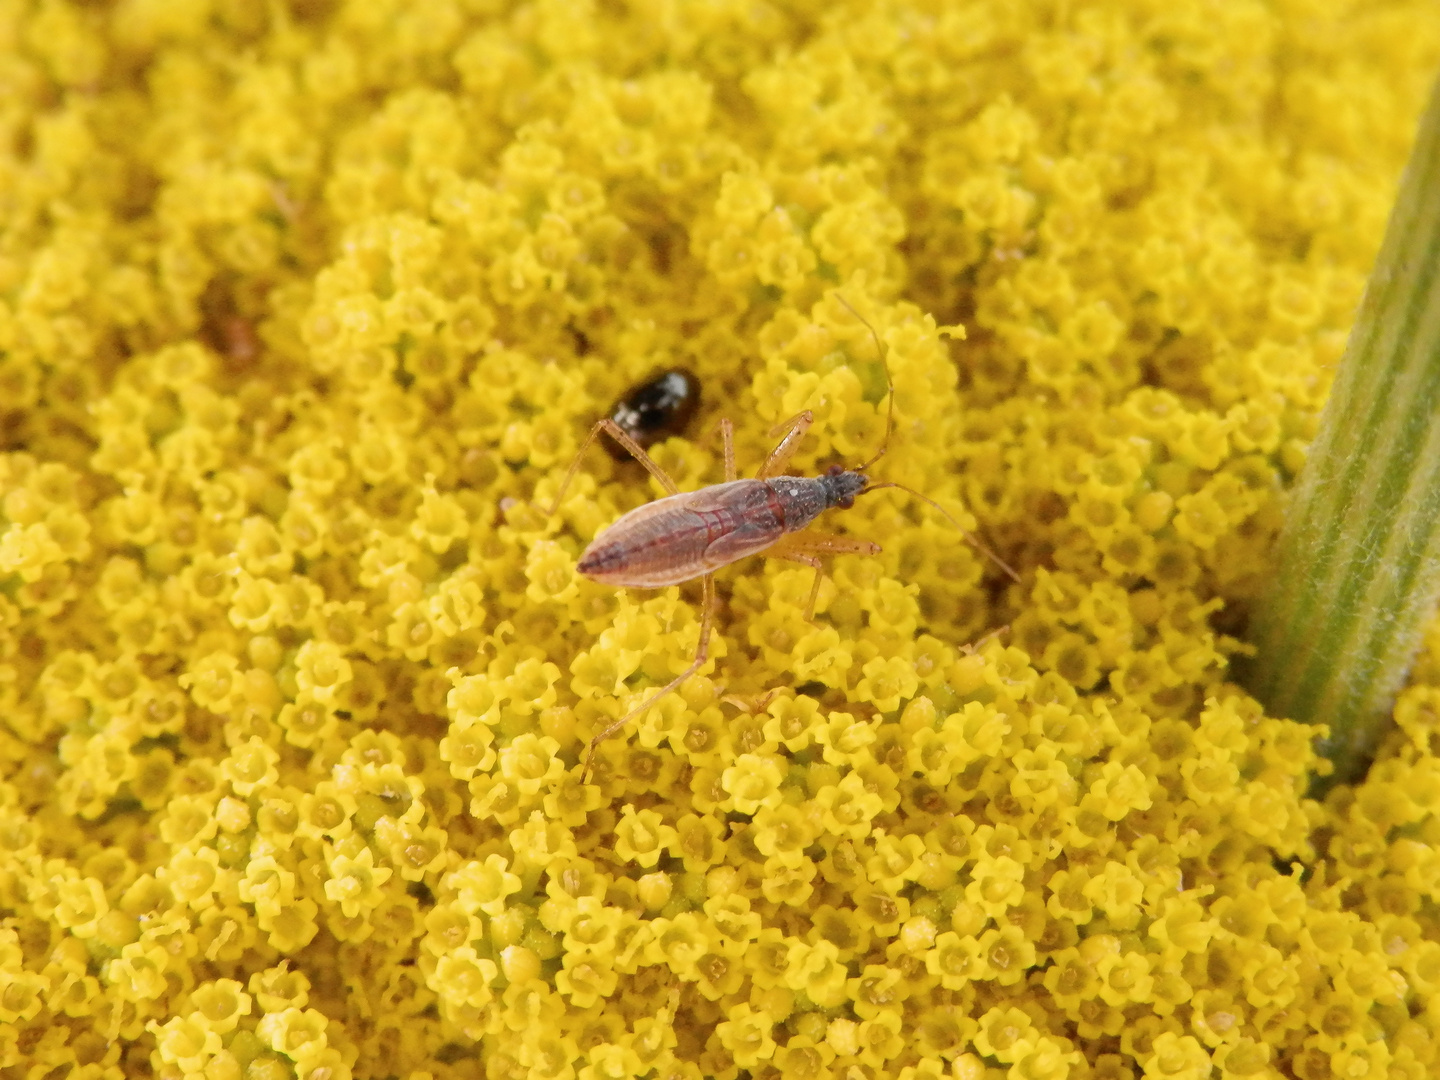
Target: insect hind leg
column 702, row 654
column 634, row 449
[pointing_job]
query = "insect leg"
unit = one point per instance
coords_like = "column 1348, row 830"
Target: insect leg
column 804, row 547
column 616, row 432
column 794, row 430
column 727, row 437
column 809, row 560
column 753, row 706
column 978, row 644
column 702, row 653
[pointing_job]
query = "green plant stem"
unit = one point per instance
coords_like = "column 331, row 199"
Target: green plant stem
column 1359, row 558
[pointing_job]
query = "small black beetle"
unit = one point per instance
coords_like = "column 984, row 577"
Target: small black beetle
column 655, row 409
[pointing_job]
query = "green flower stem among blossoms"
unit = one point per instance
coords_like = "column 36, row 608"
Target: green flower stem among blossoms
column 1360, row 554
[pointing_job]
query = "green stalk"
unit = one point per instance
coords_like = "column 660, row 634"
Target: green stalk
column 1359, row 558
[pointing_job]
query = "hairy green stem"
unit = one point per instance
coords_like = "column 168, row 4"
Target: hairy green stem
column 1359, row 559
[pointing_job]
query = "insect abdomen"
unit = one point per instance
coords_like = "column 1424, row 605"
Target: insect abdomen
column 684, row 536
column 653, row 545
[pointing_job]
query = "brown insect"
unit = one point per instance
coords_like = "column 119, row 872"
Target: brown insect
column 692, row 534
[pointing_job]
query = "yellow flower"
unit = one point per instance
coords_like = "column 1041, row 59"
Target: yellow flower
column 1118, row 790
column 592, row 927
column 355, row 882
column 465, row 977
column 956, row 960
column 483, row 886
column 1124, row 978
column 847, row 807
column 782, row 832
column 792, row 721
column 816, row 971
column 220, row 1005
column 642, row 835
column 531, row 763
column 1177, row 1057
column 299, row 1034
column 303, row 320
column 747, row 1035
column 185, row 1042
column 997, row 885
column 754, row 781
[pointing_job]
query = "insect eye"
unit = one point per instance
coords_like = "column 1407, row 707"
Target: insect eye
column 834, row 470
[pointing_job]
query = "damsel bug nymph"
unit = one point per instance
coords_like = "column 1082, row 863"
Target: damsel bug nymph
column 692, row 534
column 655, row 409
column 675, row 539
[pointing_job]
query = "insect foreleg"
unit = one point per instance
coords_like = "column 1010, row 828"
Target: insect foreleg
column 805, row 547
column 616, row 432
column 727, row 439
column 794, row 430
column 702, row 653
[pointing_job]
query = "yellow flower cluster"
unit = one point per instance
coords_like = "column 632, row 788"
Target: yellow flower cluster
column 304, row 310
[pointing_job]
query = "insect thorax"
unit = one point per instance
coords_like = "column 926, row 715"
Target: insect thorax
column 804, row 498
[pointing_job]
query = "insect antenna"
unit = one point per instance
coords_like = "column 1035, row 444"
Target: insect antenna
column 973, row 540
column 970, row 537
column 884, row 355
